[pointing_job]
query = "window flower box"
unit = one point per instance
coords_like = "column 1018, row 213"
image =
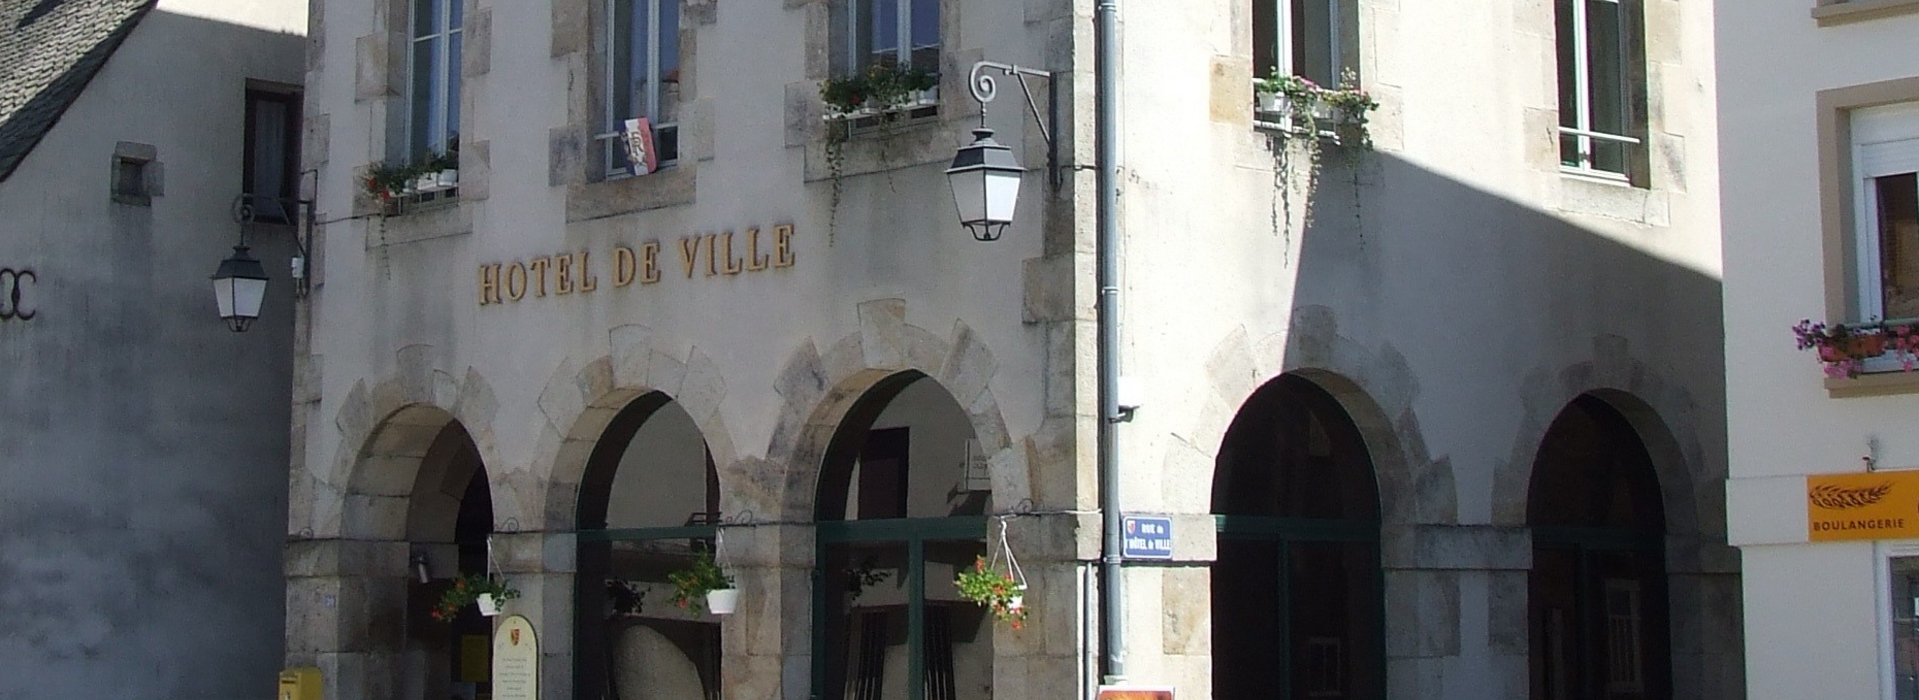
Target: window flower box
column 879, row 90
column 1298, row 105
column 1846, row 348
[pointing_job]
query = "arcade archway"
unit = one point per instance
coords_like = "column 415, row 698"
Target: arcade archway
column 1298, row 602
column 901, row 509
column 1597, row 603
column 649, row 506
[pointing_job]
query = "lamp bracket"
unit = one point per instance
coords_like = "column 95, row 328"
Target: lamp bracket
column 299, row 212
column 986, row 87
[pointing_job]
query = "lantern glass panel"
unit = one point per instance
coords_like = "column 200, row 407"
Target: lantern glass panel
column 969, row 194
column 1002, row 195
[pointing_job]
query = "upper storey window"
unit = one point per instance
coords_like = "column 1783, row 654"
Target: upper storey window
column 643, row 80
column 897, row 33
column 1886, row 190
column 433, row 119
column 1602, row 92
column 1300, row 37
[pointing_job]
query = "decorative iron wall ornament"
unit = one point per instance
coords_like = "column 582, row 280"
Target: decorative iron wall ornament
column 14, row 297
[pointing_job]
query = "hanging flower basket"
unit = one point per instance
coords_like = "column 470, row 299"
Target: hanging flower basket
column 1003, row 592
column 723, row 601
column 474, row 589
column 996, row 590
column 704, row 585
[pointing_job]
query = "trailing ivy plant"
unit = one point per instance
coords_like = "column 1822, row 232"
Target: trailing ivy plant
column 1351, row 104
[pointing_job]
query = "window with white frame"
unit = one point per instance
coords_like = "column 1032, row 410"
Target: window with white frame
column 1898, row 575
column 899, row 33
column 433, row 100
column 1601, row 93
column 1298, row 37
column 642, row 80
column 1885, row 157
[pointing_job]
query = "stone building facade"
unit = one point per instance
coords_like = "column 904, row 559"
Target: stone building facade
column 1438, row 418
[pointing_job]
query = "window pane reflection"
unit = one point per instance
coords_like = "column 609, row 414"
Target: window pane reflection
column 1898, row 213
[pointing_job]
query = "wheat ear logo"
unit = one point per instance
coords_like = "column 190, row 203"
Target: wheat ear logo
column 1832, row 497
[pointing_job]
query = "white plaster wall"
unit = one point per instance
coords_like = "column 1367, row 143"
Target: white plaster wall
column 1810, row 608
column 1462, row 273
column 145, row 442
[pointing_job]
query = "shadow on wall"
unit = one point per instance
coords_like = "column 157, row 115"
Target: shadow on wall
column 1459, row 276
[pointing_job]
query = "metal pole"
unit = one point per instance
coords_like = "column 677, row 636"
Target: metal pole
column 1106, row 249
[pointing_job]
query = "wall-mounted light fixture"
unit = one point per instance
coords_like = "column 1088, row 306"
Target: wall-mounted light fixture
column 985, row 176
column 240, row 283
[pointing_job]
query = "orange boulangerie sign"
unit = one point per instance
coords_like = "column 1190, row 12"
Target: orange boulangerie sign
column 1875, row 506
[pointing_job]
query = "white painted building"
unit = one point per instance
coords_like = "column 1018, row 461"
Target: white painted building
column 1441, row 418
column 142, row 443
column 1819, row 106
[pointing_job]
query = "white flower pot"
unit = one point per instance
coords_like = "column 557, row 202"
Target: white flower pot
column 448, row 178
column 1271, row 102
column 488, row 606
column 927, row 97
column 723, row 601
column 426, row 183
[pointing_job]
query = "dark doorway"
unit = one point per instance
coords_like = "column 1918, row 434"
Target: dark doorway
column 450, row 517
column 1597, row 593
column 1297, row 588
column 899, row 516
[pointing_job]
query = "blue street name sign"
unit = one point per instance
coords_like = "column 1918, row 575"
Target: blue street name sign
column 1147, row 537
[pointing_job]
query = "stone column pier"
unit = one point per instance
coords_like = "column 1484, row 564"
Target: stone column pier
column 346, row 614
column 541, row 566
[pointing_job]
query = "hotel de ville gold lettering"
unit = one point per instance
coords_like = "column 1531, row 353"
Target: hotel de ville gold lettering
column 702, row 255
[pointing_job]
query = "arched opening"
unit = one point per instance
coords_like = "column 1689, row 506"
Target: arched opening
column 1298, row 600
column 903, row 494
column 448, row 517
column 1597, row 592
column 649, row 506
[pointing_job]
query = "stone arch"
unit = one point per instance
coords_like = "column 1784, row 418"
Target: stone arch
column 385, row 431
column 818, row 391
column 579, row 403
column 1664, row 414
column 1376, row 389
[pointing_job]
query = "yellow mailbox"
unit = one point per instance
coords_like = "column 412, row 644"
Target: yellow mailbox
column 300, row 684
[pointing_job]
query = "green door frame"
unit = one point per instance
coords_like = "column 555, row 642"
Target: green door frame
column 630, row 534
column 1286, row 531
column 1584, row 541
column 915, row 533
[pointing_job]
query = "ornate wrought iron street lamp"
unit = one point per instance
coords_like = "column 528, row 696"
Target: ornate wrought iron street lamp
column 985, row 176
column 240, row 284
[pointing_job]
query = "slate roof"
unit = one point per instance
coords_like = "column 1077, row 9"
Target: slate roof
column 49, row 51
